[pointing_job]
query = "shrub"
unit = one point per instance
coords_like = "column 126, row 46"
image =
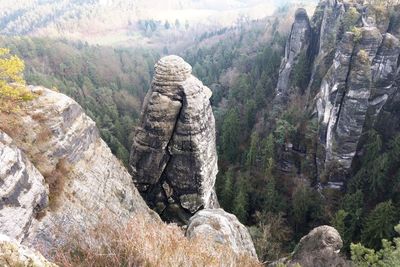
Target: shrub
column 12, row 83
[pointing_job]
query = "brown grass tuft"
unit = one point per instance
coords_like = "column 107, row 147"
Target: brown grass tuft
column 144, row 242
column 56, row 180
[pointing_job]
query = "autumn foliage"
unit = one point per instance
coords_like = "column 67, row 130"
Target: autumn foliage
column 12, row 83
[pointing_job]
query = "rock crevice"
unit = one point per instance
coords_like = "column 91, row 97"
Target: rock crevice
column 173, row 159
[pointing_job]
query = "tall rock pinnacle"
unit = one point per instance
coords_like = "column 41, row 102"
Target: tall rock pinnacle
column 173, row 159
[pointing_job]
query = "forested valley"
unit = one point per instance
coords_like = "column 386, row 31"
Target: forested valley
column 269, row 174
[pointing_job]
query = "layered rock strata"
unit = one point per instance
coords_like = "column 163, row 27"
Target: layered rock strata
column 221, row 227
column 354, row 54
column 23, row 190
column 173, row 159
column 356, row 87
column 65, row 179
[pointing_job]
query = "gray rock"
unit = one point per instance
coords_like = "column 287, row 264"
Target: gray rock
column 356, row 84
column 173, row 158
column 88, row 181
column 297, row 43
column 23, row 192
column 223, row 228
column 319, row 248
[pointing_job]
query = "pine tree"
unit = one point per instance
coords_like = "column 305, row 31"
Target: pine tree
column 253, row 150
column 227, row 191
column 231, row 135
column 240, row 201
column 379, row 224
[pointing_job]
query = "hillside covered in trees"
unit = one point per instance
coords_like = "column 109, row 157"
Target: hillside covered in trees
column 273, row 169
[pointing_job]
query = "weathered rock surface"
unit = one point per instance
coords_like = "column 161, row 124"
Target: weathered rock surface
column 173, row 158
column 299, row 40
column 23, row 191
column 85, row 180
column 13, row 254
column 319, row 248
column 354, row 90
column 355, row 56
column 223, row 228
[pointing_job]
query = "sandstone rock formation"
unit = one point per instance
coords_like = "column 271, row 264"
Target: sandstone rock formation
column 355, row 88
column 61, row 147
column 173, row 158
column 354, row 54
column 299, row 40
column 319, row 248
column 13, row 254
column 223, row 228
column 23, row 190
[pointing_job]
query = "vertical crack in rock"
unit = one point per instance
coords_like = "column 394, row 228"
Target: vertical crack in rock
column 173, row 159
column 357, row 82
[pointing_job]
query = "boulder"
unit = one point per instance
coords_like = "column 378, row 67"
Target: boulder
column 319, row 248
column 223, row 228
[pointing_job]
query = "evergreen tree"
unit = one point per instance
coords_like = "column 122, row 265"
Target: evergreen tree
column 388, row 256
column 231, row 135
column 240, row 201
column 226, row 196
column 379, row 224
column 253, row 150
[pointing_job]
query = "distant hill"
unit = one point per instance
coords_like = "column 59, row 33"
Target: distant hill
column 121, row 21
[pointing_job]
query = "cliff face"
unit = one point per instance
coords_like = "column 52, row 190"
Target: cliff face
column 173, row 158
column 297, row 44
column 355, row 55
column 23, row 190
column 62, row 177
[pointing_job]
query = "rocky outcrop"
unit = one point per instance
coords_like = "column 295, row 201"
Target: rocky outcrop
column 353, row 49
column 318, row 248
column 298, row 42
column 85, row 180
column 356, row 86
column 23, row 190
column 223, row 228
column 13, row 254
column 173, row 158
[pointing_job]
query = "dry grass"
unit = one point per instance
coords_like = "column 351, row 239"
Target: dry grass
column 144, row 242
column 56, row 180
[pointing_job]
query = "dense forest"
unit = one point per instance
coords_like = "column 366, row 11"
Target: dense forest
column 110, row 84
column 267, row 174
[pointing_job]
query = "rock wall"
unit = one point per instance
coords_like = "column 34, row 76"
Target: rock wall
column 355, row 59
column 356, row 87
column 23, row 190
column 60, row 177
column 173, row 158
